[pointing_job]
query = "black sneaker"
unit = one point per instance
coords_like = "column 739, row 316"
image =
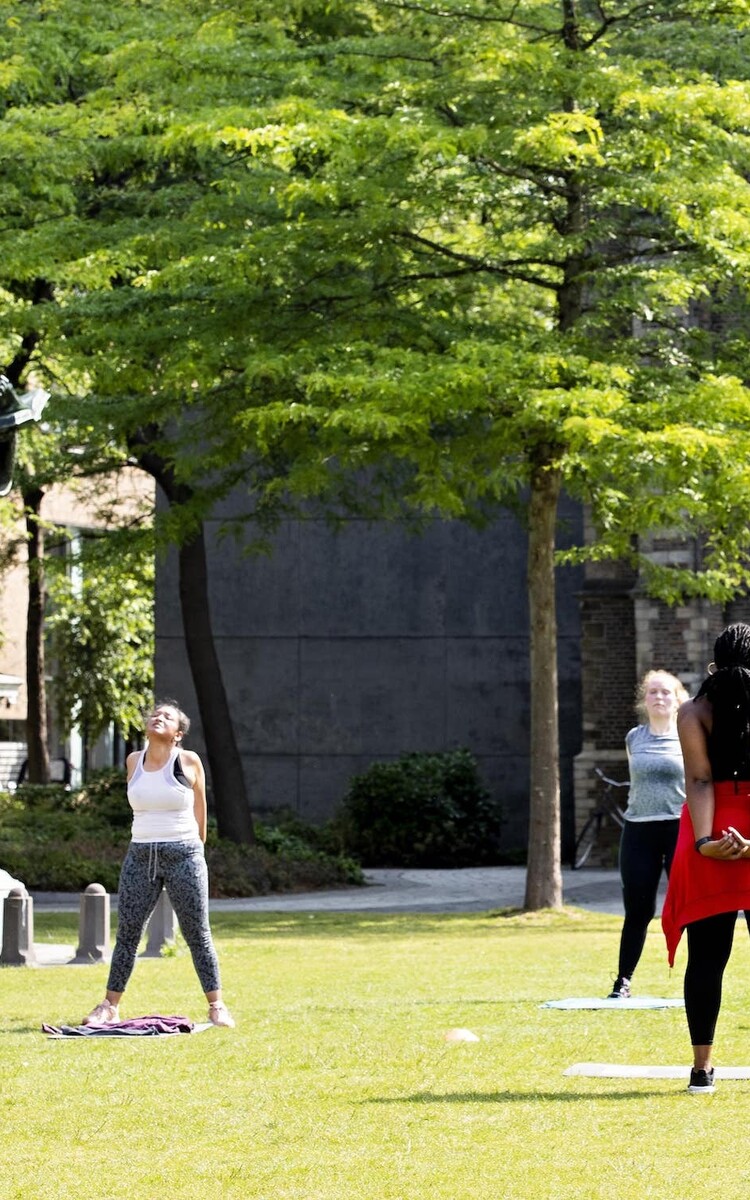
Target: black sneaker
column 620, row 989
column 701, row 1082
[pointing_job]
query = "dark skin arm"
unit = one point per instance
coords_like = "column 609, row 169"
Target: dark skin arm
column 694, row 721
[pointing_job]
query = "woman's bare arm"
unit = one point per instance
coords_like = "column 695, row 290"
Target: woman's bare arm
column 693, row 725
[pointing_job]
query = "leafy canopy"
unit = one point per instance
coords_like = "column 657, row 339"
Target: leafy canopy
column 439, row 245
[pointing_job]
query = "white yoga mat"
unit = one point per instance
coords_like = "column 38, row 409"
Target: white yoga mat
column 621, row 1071
column 598, row 1002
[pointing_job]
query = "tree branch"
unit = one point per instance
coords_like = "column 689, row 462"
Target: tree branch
column 508, row 18
column 527, row 176
column 481, row 264
column 646, row 9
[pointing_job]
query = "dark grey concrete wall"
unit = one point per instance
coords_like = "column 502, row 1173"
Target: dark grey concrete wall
column 343, row 648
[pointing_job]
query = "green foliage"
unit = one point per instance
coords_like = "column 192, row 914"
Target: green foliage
column 68, row 868
column 424, row 810
column 331, row 235
column 302, row 843
column 42, row 798
column 446, row 251
column 276, row 864
column 59, row 840
column 52, row 840
column 104, row 797
column 101, row 633
column 297, row 241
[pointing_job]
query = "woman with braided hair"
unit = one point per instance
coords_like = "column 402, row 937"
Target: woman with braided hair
column 710, row 877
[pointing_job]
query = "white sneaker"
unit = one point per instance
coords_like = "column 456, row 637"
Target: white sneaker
column 219, row 1014
column 104, row 1014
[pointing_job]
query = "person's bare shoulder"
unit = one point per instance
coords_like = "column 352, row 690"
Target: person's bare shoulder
column 695, row 712
column 694, row 722
column 192, row 765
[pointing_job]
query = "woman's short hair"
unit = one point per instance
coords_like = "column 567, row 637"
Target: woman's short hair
column 680, row 693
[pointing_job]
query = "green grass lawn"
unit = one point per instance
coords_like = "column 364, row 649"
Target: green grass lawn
column 338, row 1082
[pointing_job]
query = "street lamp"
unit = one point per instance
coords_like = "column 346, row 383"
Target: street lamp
column 14, row 412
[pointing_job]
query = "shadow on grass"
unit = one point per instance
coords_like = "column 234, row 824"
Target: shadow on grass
column 635, row 1093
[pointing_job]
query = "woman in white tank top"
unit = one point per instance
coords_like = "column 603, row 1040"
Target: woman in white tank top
column 167, row 793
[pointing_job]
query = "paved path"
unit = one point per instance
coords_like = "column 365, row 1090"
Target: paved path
column 393, row 889
column 471, row 889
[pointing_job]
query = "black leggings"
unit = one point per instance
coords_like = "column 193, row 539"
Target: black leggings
column 709, row 946
column 646, row 849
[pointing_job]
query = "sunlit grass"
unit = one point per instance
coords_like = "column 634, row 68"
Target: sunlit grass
column 338, row 1082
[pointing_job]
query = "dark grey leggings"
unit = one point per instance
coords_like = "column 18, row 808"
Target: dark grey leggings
column 180, row 867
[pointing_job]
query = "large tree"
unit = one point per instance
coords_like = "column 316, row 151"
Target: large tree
column 532, row 201
column 104, row 180
column 407, row 243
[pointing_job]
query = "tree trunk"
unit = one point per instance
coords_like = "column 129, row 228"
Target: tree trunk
column 225, row 764
column 37, row 751
column 543, row 874
column 85, row 754
column 571, row 29
column 228, row 788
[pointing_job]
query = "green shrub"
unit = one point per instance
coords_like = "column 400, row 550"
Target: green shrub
column 105, row 797
column 424, row 810
column 43, row 797
column 309, row 849
column 60, row 841
column 255, row 870
column 64, row 869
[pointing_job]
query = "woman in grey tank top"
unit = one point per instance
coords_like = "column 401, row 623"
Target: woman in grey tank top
column 652, row 818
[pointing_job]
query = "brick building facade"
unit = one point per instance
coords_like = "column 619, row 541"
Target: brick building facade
column 625, row 633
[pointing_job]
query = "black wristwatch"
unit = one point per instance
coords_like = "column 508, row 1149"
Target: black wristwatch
column 702, row 842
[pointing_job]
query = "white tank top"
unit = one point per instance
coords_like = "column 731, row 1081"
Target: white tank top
column 162, row 806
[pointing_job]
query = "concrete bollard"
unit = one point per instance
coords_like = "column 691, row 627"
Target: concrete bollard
column 161, row 928
column 7, row 881
column 93, row 926
column 18, row 929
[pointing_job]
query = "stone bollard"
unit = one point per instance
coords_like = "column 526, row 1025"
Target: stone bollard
column 18, row 929
column 93, row 926
column 7, row 881
column 161, row 928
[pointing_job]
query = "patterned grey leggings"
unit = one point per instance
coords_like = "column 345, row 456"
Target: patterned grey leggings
column 180, row 867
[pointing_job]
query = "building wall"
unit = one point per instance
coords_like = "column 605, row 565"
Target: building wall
column 342, row 648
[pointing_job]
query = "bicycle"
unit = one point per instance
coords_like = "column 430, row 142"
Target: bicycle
column 607, row 809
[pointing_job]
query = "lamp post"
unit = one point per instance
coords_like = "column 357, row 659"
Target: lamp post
column 15, row 411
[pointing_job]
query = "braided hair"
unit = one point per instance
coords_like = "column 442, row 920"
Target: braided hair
column 728, row 690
